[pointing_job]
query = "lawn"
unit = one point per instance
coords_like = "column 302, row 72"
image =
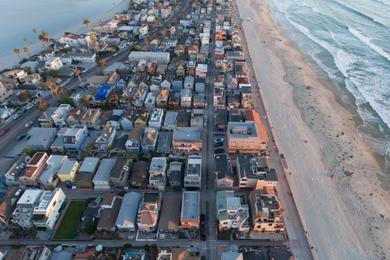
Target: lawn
column 71, row 220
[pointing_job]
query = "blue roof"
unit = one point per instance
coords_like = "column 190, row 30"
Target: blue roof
column 102, row 93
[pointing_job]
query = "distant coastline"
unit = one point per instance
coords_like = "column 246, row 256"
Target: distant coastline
column 9, row 60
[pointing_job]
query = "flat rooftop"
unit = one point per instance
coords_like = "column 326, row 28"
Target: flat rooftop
column 190, row 205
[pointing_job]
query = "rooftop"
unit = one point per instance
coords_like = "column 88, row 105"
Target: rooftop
column 30, row 196
column 89, row 164
column 190, row 205
column 187, row 133
column 104, row 171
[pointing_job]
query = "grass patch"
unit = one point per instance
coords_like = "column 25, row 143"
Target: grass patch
column 71, row 220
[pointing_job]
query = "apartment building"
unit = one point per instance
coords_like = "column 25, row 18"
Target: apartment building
column 127, row 217
column 90, row 117
column 106, row 138
column 23, row 213
column 120, row 172
column 266, row 211
column 60, row 115
column 190, row 210
column 133, row 142
column 34, row 169
column 157, row 173
column 47, row 212
column 149, row 141
column 48, row 178
column 187, row 140
column 253, row 172
column 148, row 212
column 247, row 137
column 232, row 213
column 73, row 137
column 156, row 118
column 193, row 173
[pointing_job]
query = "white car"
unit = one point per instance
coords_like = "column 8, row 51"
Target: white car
column 29, row 106
column 28, row 124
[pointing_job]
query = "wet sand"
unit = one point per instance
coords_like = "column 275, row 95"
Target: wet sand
column 334, row 176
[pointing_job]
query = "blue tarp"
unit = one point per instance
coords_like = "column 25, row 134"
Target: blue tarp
column 102, row 93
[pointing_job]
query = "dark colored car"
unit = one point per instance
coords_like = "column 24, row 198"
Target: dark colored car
column 218, row 151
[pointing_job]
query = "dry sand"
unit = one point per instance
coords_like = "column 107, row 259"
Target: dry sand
column 347, row 217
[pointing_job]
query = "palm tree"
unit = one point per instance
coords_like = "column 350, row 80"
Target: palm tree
column 101, row 63
column 26, row 50
column 25, row 40
column 92, row 36
column 44, row 37
column 53, row 87
column 42, row 105
column 77, row 72
column 86, row 23
column 85, row 101
column 17, row 52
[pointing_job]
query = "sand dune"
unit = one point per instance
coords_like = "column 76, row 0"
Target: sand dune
column 334, row 174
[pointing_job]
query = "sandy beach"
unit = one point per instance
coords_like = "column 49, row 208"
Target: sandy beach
column 334, row 175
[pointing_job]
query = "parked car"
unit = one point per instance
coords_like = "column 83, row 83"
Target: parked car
column 28, row 124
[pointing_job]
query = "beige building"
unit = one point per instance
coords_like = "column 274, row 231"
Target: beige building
column 187, row 140
column 90, row 117
column 266, row 211
column 247, row 137
column 34, row 169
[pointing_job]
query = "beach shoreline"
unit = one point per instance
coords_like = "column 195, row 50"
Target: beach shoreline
column 334, row 174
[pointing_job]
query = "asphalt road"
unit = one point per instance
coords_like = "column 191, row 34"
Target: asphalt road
column 120, row 243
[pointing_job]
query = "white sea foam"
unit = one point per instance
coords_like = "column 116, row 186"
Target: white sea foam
column 367, row 87
column 369, row 43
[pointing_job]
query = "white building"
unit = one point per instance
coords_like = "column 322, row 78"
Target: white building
column 193, row 174
column 54, row 63
column 84, row 57
column 48, row 178
column 149, row 56
column 231, row 212
column 143, row 31
column 150, row 101
column 47, row 212
column 201, row 71
column 106, row 138
column 156, row 118
column 74, row 136
column 25, row 206
column 72, row 40
column 60, row 115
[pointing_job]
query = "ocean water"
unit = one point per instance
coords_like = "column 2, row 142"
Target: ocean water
column 19, row 17
column 350, row 41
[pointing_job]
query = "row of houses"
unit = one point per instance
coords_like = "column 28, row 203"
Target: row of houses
column 149, row 212
column 103, row 174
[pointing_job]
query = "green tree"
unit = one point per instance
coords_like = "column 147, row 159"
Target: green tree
column 66, row 100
